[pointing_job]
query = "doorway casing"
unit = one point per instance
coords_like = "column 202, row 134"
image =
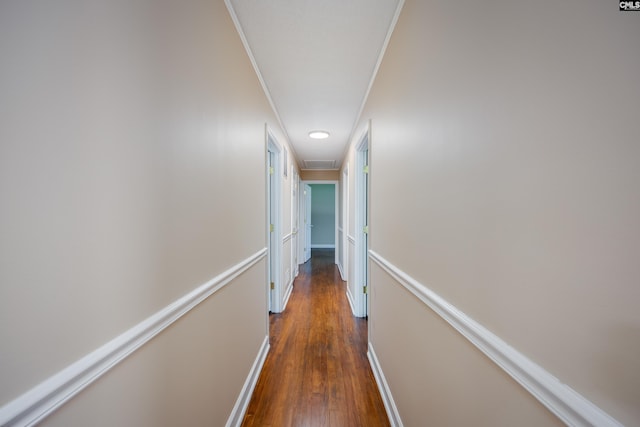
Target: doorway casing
column 274, row 223
column 343, row 227
column 361, row 258
column 303, row 212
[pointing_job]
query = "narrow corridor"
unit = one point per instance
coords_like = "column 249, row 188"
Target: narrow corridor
column 317, row 372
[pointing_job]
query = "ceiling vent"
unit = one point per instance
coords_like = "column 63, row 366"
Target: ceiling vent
column 319, row 164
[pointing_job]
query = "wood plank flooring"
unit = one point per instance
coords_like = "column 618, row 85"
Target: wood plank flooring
column 317, row 372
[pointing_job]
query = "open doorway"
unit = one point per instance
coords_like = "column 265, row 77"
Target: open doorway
column 295, row 223
column 343, row 227
column 319, row 206
column 361, row 274
column 274, row 248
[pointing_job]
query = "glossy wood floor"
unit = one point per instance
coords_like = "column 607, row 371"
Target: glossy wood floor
column 317, row 372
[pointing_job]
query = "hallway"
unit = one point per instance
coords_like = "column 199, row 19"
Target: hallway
column 317, row 372
column 153, row 158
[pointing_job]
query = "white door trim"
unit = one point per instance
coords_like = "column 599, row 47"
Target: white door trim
column 336, row 212
column 344, row 262
column 295, row 222
column 361, row 199
column 274, row 271
column 308, row 194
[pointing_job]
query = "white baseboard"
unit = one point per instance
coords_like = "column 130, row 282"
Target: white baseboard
column 385, row 391
column 287, row 295
column 351, row 304
column 322, row 246
column 568, row 405
column 342, row 276
column 240, row 408
column 39, row 402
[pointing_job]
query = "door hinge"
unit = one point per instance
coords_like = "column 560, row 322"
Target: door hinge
column 271, row 170
column 365, row 229
column 271, row 228
column 365, row 289
column 365, row 169
column 273, row 285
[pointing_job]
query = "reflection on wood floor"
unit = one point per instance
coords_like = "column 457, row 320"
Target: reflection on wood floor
column 317, row 372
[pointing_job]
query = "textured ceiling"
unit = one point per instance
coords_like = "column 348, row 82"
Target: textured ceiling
column 316, row 59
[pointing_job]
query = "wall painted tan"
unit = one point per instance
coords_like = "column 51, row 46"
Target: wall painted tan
column 319, row 175
column 504, row 167
column 453, row 383
column 188, row 375
column 132, row 170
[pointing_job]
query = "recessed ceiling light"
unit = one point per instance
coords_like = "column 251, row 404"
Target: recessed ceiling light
column 319, row 134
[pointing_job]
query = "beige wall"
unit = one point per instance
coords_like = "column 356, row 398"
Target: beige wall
column 132, row 153
column 319, row 175
column 504, row 159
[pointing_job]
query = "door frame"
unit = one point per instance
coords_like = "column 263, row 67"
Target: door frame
column 301, row 228
column 344, row 206
column 308, row 196
column 274, row 245
column 295, row 222
column 361, row 257
column 336, row 209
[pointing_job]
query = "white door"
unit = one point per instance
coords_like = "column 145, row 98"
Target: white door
column 271, row 159
column 365, row 231
column 274, row 231
column 307, row 222
column 295, row 224
column 361, row 258
column 345, row 223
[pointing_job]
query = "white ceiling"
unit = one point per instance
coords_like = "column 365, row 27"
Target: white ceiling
column 316, row 60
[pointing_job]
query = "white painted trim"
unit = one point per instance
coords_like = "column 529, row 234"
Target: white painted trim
column 568, row 405
column 344, row 192
column 336, row 190
column 39, row 402
column 342, row 276
column 339, row 246
column 361, row 219
column 286, row 238
column 295, row 194
column 275, row 254
column 351, row 239
column 336, row 222
column 383, row 387
column 287, row 295
column 350, row 299
column 242, row 403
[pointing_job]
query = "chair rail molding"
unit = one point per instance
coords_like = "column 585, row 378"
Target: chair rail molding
column 567, row 404
column 43, row 399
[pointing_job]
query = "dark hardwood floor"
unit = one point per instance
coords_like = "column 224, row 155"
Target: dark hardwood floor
column 317, row 372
